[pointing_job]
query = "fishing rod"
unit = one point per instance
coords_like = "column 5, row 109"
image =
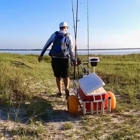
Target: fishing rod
column 76, row 54
column 88, row 37
column 75, row 21
column 73, row 17
column 74, row 33
column 76, row 25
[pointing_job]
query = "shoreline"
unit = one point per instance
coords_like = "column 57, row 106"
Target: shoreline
column 77, row 49
column 103, row 52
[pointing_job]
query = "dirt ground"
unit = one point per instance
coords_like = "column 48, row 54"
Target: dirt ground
column 58, row 124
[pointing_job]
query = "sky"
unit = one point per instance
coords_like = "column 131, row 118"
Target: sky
column 27, row 24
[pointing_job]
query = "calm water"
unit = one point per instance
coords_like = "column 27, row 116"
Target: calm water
column 81, row 52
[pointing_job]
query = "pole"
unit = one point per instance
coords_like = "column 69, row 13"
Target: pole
column 73, row 17
column 88, row 36
column 75, row 32
column 76, row 54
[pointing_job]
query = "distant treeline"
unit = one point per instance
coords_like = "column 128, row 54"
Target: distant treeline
column 77, row 49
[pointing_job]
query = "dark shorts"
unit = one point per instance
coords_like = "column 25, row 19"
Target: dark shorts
column 60, row 67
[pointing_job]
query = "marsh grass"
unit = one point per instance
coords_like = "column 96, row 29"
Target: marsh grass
column 26, row 89
column 21, row 81
column 67, row 126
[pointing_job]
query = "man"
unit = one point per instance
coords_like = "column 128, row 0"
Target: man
column 60, row 62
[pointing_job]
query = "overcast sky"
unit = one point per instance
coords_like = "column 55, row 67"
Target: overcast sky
column 27, row 24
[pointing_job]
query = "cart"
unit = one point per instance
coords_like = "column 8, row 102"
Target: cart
column 91, row 96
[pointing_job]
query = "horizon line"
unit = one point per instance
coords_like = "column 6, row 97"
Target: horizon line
column 77, row 49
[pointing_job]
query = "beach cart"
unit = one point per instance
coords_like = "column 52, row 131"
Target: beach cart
column 90, row 94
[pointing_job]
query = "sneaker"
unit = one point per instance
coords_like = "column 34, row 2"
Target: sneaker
column 59, row 94
column 67, row 93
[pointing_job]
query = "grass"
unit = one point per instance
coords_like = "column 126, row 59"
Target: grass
column 31, row 112
column 67, row 126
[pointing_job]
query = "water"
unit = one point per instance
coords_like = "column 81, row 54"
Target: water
column 81, row 52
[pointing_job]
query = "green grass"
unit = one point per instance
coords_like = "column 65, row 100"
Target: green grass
column 67, row 126
column 23, row 77
column 27, row 84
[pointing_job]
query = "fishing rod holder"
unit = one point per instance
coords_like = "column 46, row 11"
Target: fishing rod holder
column 94, row 62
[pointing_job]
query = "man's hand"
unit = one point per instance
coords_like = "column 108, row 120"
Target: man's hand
column 76, row 62
column 39, row 58
column 73, row 62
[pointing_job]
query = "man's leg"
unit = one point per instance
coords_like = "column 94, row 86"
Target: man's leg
column 56, row 70
column 59, row 84
column 66, row 83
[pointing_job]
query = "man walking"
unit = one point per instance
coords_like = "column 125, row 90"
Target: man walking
column 62, row 49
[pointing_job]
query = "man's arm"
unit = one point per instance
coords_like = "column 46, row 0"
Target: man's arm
column 46, row 46
column 48, row 43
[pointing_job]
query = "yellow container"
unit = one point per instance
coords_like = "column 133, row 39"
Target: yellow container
column 72, row 104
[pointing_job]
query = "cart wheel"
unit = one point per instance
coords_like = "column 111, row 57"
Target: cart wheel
column 113, row 99
column 72, row 104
